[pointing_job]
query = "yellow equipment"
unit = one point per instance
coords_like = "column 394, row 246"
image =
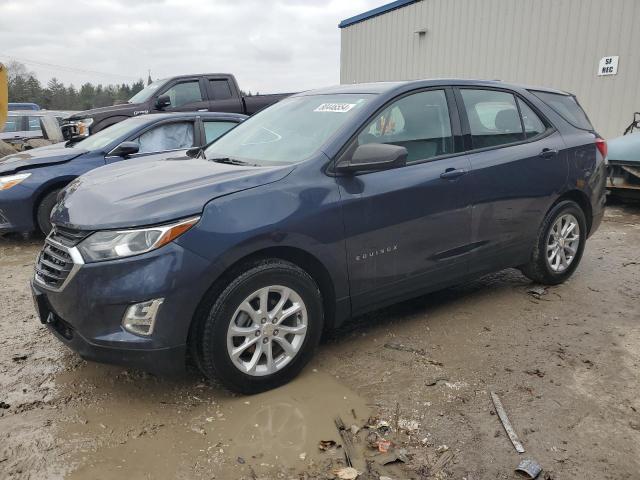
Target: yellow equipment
column 4, row 96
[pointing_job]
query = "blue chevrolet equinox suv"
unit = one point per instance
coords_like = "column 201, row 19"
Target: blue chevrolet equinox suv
column 329, row 204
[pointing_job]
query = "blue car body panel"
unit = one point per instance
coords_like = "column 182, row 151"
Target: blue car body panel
column 371, row 239
column 55, row 166
column 625, row 149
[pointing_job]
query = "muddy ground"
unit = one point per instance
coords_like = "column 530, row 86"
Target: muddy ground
column 565, row 364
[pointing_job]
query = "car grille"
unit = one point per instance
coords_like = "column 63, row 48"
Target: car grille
column 67, row 236
column 54, row 264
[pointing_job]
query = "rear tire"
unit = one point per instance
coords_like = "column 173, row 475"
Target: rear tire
column 559, row 246
column 43, row 214
column 272, row 314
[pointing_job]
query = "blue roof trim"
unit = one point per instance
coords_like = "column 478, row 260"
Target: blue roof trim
column 375, row 12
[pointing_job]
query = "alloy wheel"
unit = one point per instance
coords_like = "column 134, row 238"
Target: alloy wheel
column 267, row 330
column 563, row 242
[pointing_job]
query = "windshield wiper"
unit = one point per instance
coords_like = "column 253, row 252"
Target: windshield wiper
column 232, row 161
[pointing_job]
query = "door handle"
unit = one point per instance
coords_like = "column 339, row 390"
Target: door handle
column 548, row 153
column 203, row 110
column 452, row 173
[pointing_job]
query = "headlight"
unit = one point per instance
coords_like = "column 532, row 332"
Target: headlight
column 82, row 126
column 112, row 244
column 12, row 180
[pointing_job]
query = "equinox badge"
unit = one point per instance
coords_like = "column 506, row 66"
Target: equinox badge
column 376, row 252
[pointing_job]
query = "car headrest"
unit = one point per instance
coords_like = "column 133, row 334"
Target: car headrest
column 508, row 120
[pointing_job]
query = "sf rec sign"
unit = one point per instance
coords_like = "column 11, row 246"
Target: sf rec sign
column 608, row 66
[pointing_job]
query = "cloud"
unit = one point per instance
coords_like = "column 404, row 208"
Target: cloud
column 271, row 46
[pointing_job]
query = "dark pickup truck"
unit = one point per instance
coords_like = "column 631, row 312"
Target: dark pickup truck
column 209, row 92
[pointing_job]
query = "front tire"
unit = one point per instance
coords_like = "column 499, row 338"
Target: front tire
column 43, row 214
column 559, row 246
column 262, row 329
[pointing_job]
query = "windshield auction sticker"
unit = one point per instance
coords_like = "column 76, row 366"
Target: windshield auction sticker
column 335, row 107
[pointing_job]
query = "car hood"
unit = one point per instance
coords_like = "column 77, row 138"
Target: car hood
column 132, row 194
column 38, row 157
column 105, row 111
column 624, row 149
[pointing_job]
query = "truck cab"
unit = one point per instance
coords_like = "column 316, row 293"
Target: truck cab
column 212, row 92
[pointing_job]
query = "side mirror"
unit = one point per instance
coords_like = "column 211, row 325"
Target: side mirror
column 373, row 156
column 163, row 101
column 194, row 152
column 125, row 149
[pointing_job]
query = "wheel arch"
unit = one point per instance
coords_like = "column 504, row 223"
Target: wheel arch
column 583, row 202
column 299, row 257
column 57, row 184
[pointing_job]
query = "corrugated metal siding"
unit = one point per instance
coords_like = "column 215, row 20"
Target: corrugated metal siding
column 554, row 43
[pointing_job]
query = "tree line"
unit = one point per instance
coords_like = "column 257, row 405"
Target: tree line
column 25, row 87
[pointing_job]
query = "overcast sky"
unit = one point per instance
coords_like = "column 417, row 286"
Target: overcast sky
column 271, row 46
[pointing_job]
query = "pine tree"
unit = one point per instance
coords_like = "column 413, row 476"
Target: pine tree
column 25, row 87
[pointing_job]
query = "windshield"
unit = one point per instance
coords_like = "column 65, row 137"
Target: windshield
column 100, row 140
column 146, row 93
column 289, row 131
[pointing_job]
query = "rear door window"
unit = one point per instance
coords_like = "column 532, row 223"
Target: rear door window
column 220, row 89
column 213, row 130
column 567, row 107
column 419, row 122
column 493, row 117
column 169, row 136
column 533, row 125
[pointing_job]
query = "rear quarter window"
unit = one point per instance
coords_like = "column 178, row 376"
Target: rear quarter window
column 567, row 107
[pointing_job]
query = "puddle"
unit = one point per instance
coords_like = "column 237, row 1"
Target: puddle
column 131, row 427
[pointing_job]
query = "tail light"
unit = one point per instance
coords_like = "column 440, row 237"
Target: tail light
column 601, row 145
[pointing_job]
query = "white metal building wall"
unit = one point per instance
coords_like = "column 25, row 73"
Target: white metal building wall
column 554, row 43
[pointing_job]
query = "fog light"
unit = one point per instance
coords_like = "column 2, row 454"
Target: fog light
column 141, row 317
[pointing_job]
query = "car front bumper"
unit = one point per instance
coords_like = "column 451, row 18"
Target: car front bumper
column 16, row 210
column 86, row 314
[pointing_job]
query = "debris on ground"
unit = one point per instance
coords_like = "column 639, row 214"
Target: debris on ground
column 537, row 372
column 381, row 425
column 441, row 463
column 530, row 468
column 502, row 414
column 392, row 457
column 437, row 380
column 538, row 291
column 325, row 445
column 409, row 425
column 405, row 348
column 352, row 455
column 383, row 445
column 418, row 351
column 346, row 473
